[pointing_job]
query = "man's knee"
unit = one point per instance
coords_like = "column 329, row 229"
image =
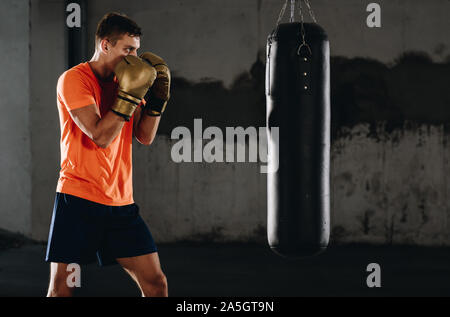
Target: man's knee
column 159, row 280
column 156, row 283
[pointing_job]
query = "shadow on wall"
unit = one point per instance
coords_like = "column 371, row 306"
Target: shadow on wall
column 241, row 105
column 412, row 88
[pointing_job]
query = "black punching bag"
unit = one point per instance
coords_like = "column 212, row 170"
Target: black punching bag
column 298, row 102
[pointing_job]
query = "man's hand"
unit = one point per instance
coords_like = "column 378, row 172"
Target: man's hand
column 158, row 95
column 135, row 77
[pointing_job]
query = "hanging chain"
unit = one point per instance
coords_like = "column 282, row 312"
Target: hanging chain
column 300, row 11
column 311, row 13
column 302, row 29
column 282, row 12
column 292, row 11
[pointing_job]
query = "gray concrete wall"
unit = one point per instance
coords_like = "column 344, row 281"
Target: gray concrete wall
column 15, row 156
column 389, row 122
column 392, row 189
column 48, row 58
column 220, row 39
column 198, row 201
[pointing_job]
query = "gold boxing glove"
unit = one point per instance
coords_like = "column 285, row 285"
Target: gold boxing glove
column 158, row 95
column 135, row 77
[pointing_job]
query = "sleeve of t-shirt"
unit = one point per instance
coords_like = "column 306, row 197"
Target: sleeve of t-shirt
column 74, row 90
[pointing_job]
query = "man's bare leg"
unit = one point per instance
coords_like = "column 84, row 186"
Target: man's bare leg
column 58, row 281
column 147, row 273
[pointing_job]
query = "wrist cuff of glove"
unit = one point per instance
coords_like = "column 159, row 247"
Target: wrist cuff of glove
column 127, row 118
column 153, row 114
column 149, row 110
column 155, row 107
column 125, row 105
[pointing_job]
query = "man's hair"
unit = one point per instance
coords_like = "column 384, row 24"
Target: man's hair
column 113, row 25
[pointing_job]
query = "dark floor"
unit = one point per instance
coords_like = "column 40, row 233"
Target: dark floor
column 248, row 270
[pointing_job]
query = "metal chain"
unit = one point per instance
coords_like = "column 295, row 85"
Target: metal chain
column 311, row 13
column 300, row 11
column 302, row 30
column 282, row 12
column 292, row 11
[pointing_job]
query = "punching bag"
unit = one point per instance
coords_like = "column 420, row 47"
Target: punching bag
column 298, row 103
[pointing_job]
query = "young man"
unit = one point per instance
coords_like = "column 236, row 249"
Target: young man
column 100, row 109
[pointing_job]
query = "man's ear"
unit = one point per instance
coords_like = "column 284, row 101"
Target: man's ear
column 104, row 45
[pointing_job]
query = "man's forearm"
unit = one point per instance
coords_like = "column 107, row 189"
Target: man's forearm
column 147, row 127
column 108, row 128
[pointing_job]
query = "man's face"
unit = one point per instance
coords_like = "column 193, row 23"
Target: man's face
column 126, row 45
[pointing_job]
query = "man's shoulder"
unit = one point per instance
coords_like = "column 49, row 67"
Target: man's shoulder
column 78, row 72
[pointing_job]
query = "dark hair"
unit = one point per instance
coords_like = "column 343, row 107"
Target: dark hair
column 113, row 25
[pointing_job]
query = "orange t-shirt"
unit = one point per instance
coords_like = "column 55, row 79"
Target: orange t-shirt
column 87, row 170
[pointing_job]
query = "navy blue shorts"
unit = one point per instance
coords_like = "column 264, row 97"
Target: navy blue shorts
column 83, row 232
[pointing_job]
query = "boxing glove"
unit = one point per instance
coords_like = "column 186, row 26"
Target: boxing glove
column 158, row 95
column 135, row 77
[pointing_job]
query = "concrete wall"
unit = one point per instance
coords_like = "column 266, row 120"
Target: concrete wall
column 15, row 156
column 48, row 61
column 389, row 117
column 198, row 201
column 392, row 189
column 220, row 39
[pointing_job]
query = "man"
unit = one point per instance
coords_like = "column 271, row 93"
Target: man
column 100, row 109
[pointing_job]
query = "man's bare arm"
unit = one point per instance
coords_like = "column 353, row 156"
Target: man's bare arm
column 100, row 130
column 145, row 126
